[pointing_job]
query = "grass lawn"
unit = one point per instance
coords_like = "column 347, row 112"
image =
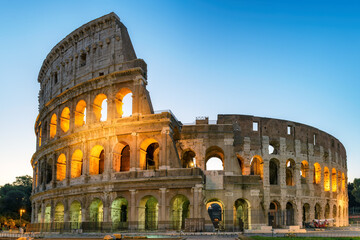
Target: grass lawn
column 307, row 238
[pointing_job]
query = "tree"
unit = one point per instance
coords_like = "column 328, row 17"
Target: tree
column 16, row 196
column 356, row 189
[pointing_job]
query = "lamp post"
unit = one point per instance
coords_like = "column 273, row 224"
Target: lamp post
column 21, row 213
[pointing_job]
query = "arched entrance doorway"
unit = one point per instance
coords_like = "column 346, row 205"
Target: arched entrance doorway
column 179, row 211
column 289, row 214
column 148, row 213
column 216, row 213
column 241, row 215
column 274, row 215
column 119, row 213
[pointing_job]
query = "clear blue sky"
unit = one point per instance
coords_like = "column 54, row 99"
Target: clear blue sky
column 294, row 60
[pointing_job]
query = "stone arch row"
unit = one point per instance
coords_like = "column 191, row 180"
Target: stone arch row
column 46, row 171
column 85, row 111
column 117, row 212
column 338, row 180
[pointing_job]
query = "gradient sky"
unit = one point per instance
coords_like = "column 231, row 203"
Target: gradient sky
column 294, row 60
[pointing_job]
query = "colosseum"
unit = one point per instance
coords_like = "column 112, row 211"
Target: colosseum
column 98, row 169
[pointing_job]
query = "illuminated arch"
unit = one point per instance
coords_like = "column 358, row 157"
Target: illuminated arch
column 53, row 124
column 119, row 213
column 121, row 157
column 75, row 215
column 97, row 160
column 241, row 163
column 100, row 107
column 242, row 214
column 59, row 213
column 80, row 113
column 317, row 173
column 326, row 179
column 149, row 154
column 188, row 159
column 39, row 132
column 47, row 217
column 122, row 99
column 339, row 180
column 256, row 166
column 214, row 158
column 148, row 213
column 215, row 209
column 96, row 210
column 61, row 167
column 65, row 119
column 333, row 180
column 290, row 168
column 76, row 164
column 304, row 169
column 343, row 181
column 180, row 210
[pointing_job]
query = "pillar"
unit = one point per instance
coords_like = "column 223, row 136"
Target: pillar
column 133, row 217
column 162, row 209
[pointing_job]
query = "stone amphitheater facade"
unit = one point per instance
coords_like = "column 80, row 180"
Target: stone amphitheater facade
column 149, row 171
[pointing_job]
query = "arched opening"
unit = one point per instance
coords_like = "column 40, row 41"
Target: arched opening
column 65, row 119
column 334, row 212
column 100, row 107
column 39, row 133
column 327, row 211
column 148, row 213
column 123, row 101
column 343, row 181
column 44, row 135
column 96, row 211
column 188, row 159
column 273, row 171
column 317, row 173
column 333, row 180
column 80, row 113
column 119, row 213
column 179, row 211
column 47, row 217
column 241, row 163
column 48, row 171
column 274, row 215
column 76, row 164
column 214, row 163
column 215, row 210
column 149, row 154
column 61, row 168
column 97, row 158
column 214, row 158
column 241, row 215
column 290, row 168
column 53, row 124
column 59, row 213
column 75, row 215
column 289, row 214
column 317, row 211
column 326, row 179
column 256, row 166
column 306, row 214
column 121, row 157
column 304, row 171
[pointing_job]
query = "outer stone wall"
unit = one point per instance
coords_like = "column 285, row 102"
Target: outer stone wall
column 149, row 171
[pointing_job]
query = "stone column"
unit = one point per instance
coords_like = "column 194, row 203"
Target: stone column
column 53, row 179
column 133, row 216
column 107, row 160
column 134, row 152
column 162, row 209
column 163, row 163
column 68, row 165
